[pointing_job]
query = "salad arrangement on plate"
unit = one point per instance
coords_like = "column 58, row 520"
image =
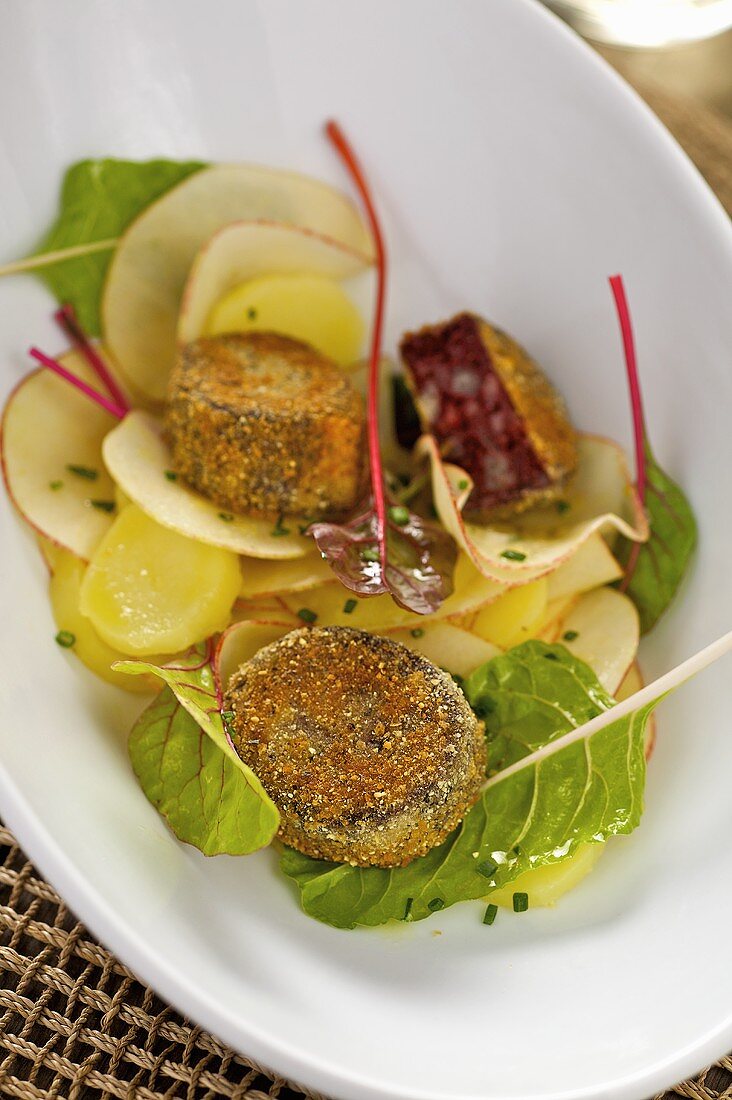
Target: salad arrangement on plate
column 390, row 616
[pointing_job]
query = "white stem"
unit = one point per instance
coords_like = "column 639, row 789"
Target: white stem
column 662, row 686
column 47, row 259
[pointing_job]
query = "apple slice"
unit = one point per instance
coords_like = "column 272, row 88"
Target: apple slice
column 50, row 430
column 633, row 682
column 445, row 645
column 288, row 277
column 242, row 640
column 592, row 566
column 599, row 496
column 603, row 630
column 142, row 292
column 139, row 460
column 271, row 578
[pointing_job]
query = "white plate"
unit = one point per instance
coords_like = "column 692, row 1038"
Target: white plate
column 515, row 173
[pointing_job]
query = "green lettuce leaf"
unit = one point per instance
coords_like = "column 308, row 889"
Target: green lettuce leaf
column 655, row 569
column 193, row 686
column 532, row 813
column 201, row 793
column 99, row 199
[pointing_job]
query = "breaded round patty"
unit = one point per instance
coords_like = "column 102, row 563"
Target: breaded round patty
column 265, row 425
column 371, row 754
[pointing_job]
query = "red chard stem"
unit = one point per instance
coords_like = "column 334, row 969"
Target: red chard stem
column 66, row 318
column 347, row 155
column 631, row 366
column 88, row 391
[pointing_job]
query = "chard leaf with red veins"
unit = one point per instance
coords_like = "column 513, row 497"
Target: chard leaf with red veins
column 384, row 548
column 418, row 565
column 655, row 569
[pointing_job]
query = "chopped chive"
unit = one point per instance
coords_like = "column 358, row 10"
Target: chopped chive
column 433, row 512
column 226, row 517
column 307, row 615
column 349, row 606
column 570, row 635
column 55, row 485
column 399, row 514
column 418, row 632
column 551, row 656
column 227, row 715
column 491, row 912
column 103, row 505
column 171, row 475
column 251, row 314
column 463, row 483
column 65, row 639
column 435, row 905
column 562, row 506
column 520, row 902
column 408, row 909
column 278, row 531
column 369, row 554
column 487, row 868
column 513, row 555
column 459, row 680
column 83, row 471
column 302, row 528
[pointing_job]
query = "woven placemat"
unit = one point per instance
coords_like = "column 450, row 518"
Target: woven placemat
column 75, row 1023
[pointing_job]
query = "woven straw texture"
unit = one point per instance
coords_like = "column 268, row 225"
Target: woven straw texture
column 75, row 1023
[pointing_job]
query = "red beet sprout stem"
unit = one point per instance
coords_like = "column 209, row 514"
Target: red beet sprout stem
column 84, row 387
column 67, row 319
column 636, row 404
column 347, row 155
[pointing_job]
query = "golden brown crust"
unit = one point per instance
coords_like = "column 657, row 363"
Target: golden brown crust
column 265, row 425
column 372, row 754
column 541, row 408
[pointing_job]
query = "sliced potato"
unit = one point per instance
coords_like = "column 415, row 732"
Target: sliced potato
column 47, row 427
column 270, row 578
column 447, row 646
column 590, row 567
column 549, row 627
column 139, row 460
column 142, row 292
column 546, row 885
column 599, row 496
column 513, row 617
column 92, row 651
column 50, row 552
column 272, row 277
column 603, row 630
column 150, row 590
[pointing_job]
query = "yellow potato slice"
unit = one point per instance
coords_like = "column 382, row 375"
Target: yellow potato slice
column 599, row 497
column 92, row 651
column 142, row 292
column 445, row 645
column 47, row 427
column 546, row 885
column 139, row 460
column 270, row 578
column 50, row 552
column 513, row 617
column 265, row 276
column 149, row 589
column 242, row 640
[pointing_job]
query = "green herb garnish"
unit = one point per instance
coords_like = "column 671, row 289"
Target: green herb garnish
column 55, row 485
column 307, row 615
column 103, row 505
column 83, row 471
column 399, row 514
column 435, row 905
column 251, row 314
column 369, row 554
column 562, row 506
column 487, row 868
column 513, row 555
column 349, row 606
column 418, row 632
column 408, row 909
column 171, row 475
column 520, row 902
column 226, row 517
column 65, row 639
column 278, row 531
column 570, row 635
column 491, row 912
column 463, row 483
